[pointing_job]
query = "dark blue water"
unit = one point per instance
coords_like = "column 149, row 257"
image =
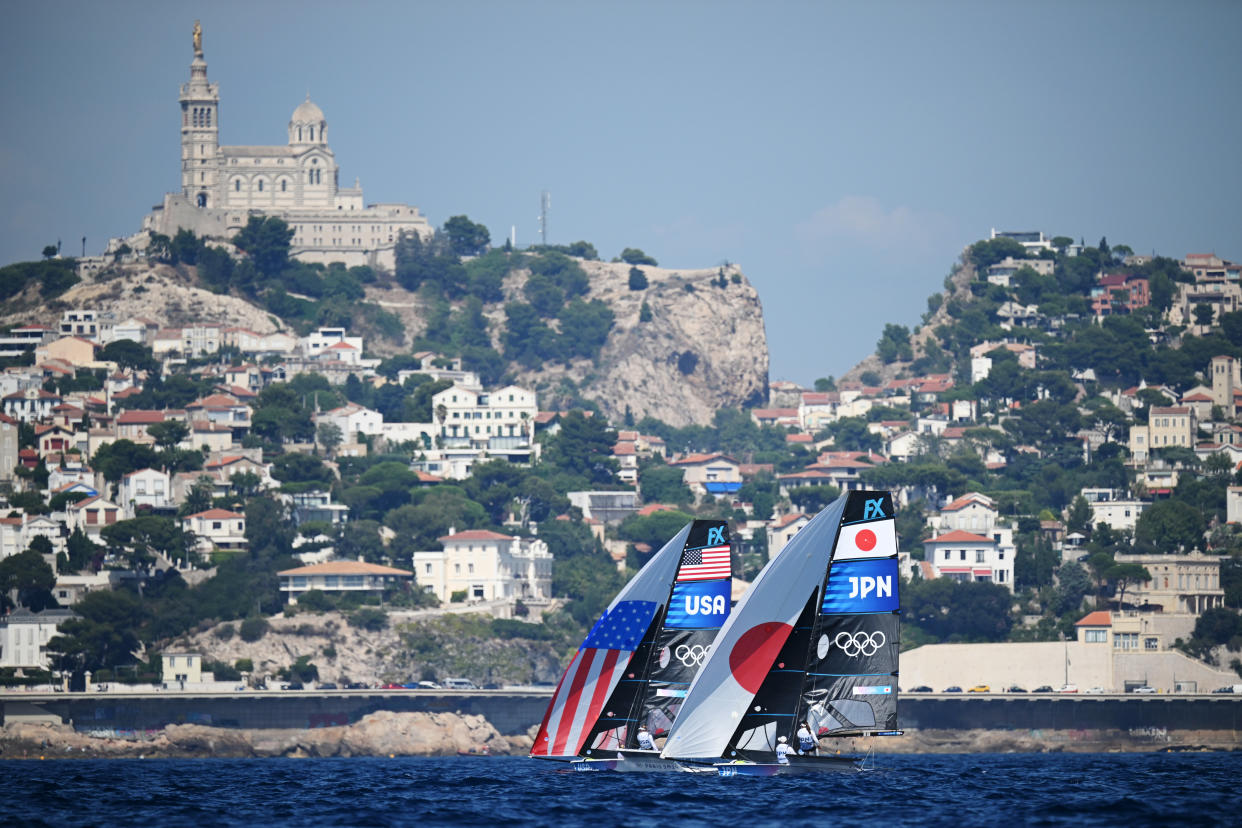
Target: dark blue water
column 1093, row 789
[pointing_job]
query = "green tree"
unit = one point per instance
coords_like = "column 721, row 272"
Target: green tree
column 1125, row 575
column 583, row 447
column 465, row 237
column 634, row 256
column 638, row 279
column 129, row 354
column 266, row 242
column 660, row 483
column 168, row 433
column 1169, row 525
column 329, row 436
column 104, row 634
column 26, row 579
column 117, row 459
column 1079, row 517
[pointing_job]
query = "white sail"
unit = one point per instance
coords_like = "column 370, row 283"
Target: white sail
column 595, row 670
column 750, row 639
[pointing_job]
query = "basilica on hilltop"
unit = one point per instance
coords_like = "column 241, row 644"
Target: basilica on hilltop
column 223, row 186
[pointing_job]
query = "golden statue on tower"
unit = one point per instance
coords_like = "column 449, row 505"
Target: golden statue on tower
column 198, row 40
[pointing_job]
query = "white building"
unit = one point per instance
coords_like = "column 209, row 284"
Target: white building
column 222, row 186
column 340, row 577
column 145, row 487
column 964, row 556
column 972, row 512
column 217, row 528
column 487, row 566
column 493, row 419
column 24, row 636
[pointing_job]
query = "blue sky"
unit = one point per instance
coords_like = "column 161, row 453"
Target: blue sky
column 842, row 153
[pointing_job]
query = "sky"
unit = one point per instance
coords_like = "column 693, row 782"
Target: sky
column 843, row 154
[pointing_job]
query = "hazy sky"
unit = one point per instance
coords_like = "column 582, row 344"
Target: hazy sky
column 842, row 153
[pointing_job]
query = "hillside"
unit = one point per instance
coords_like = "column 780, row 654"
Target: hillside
column 699, row 346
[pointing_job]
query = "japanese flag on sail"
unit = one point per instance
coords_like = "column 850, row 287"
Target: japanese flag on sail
column 590, row 678
column 875, row 539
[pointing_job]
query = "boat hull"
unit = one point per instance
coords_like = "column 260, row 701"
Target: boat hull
column 797, row 766
column 636, row 761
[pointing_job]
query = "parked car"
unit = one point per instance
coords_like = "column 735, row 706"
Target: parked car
column 391, row 686
column 922, row 688
column 1043, row 688
column 327, row 685
column 1068, row 688
column 291, row 685
column 1225, row 689
column 1145, row 690
column 356, row 685
column 460, row 684
column 1097, row 691
column 428, row 685
column 491, row 686
column 980, row 688
column 953, row 689
column 1013, row 688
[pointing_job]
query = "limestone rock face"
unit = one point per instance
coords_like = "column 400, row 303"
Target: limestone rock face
column 704, row 348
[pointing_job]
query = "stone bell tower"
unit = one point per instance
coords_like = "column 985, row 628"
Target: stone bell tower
column 200, row 131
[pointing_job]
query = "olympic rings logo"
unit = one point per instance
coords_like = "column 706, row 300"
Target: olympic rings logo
column 692, row 655
column 860, row 643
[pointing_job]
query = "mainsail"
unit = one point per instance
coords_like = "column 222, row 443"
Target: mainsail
column 638, row 660
column 815, row 639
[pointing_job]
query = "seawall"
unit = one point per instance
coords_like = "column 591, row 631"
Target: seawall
column 430, row 722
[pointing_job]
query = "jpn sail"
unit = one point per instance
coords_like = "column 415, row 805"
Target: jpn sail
column 815, row 639
column 636, row 664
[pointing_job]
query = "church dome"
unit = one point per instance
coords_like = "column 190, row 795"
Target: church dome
column 307, row 112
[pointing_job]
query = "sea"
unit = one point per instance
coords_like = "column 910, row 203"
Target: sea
column 1129, row 790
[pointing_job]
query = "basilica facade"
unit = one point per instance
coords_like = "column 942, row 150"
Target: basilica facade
column 223, row 186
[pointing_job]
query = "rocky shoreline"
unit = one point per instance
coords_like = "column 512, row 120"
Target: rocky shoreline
column 386, row 733
column 383, row 733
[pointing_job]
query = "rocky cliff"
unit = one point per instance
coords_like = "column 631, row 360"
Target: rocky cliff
column 703, row 348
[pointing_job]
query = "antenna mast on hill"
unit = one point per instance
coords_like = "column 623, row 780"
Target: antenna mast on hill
column 545, row 204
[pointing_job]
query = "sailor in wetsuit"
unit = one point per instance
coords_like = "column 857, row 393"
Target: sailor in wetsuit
column 807, row 743
column 645, row 742
column 783, row 750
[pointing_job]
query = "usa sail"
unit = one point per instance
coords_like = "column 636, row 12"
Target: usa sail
column 636, row 664
column 814, row 641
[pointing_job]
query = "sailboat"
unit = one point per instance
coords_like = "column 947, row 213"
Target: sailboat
column 635, row 666
column 814, row 643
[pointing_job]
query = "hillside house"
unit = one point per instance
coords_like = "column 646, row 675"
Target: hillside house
column 487, row 566
column 341, row 578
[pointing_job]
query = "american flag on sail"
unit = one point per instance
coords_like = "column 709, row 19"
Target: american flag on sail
column 704, row 564
column 591, row 676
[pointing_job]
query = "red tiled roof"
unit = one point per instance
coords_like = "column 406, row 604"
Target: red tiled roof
column 958, row 536
column 1099, row 618
column 139, row 417
column 345, row 568
column 215, row 514
column 474, row 535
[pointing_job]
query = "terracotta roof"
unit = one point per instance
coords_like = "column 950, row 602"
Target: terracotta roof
column 1099, row 618
column 965, row 500
column 345, row 568
column 215, row 514
column 652, row 508
column 140, row 416
column 473, row 535
column 958, row 536
column 781, row 523
column 691, row 459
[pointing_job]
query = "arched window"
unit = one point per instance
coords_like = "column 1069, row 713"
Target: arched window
column 237, row 185
column 312, row 133
column 202, row 199
column 299, row 133
column 260, row 185
column 284, row 185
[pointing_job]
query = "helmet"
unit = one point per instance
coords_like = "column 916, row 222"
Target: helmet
column 782, row 739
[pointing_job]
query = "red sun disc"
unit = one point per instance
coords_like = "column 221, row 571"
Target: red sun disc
column 755, row 651
column 865, row 540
